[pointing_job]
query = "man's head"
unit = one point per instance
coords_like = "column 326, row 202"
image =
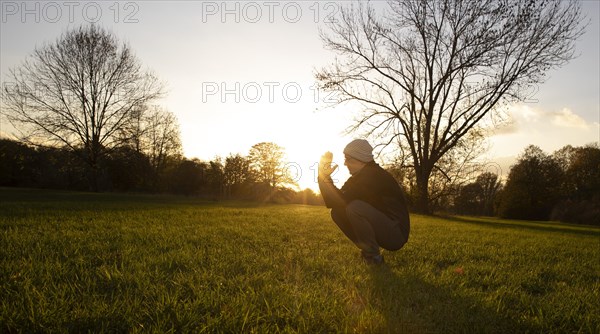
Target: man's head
column 357, row 154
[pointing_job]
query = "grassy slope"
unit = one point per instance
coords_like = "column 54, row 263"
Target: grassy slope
column 82, row 262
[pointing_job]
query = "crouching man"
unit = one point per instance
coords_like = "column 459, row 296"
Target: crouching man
column 370, row 208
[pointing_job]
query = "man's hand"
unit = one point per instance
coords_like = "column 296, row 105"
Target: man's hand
column 325, row 166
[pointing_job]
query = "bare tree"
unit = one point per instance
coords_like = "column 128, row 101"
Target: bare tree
column 456, row 168
column 490, row 186
column 154, row 131
column 427, row 72
column 164, row 138
column 79, row 92
column 478, row 198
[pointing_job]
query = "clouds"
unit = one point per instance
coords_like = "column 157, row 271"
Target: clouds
column 550, row 130
column 567, row 119
column 6, row 135
column 525, row 117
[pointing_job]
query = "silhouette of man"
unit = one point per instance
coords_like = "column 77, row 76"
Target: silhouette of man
column 370, row 208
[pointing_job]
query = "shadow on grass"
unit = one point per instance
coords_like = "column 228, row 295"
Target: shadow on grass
column 409, row 304
column 81, row 200
column 552, row 227
column 17, row 199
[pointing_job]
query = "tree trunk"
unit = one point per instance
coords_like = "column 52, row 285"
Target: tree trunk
column 422, row 195
column 93, row 158
column 422, row 200
column 93, row 178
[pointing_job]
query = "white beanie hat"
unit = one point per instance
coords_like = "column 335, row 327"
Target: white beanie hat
column 359, row 149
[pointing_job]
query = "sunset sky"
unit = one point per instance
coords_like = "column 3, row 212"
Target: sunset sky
column 240, row 73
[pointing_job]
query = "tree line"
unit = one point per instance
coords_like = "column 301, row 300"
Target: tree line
column 563, row 186
column 260, row 176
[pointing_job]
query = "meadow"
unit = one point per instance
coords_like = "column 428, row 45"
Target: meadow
column 79, row 262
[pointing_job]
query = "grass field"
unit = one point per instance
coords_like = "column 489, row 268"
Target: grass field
column 79, row 262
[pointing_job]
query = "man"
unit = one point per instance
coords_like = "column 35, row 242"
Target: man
column 370, row 208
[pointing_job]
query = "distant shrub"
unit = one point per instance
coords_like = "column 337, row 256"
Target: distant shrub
column 578, row 212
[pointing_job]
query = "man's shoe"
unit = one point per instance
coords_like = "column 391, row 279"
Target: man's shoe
column 374, row 260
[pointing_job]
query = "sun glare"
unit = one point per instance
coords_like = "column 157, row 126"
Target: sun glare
column 303, row 159
column 304, row 131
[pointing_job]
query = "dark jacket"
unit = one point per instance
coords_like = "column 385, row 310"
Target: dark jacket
column 373, row 185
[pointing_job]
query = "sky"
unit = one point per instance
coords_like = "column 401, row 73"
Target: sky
column 240, row 73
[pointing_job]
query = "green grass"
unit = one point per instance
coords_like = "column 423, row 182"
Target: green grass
column 79, row 262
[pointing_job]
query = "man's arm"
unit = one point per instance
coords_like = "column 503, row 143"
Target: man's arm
column 332, row 196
